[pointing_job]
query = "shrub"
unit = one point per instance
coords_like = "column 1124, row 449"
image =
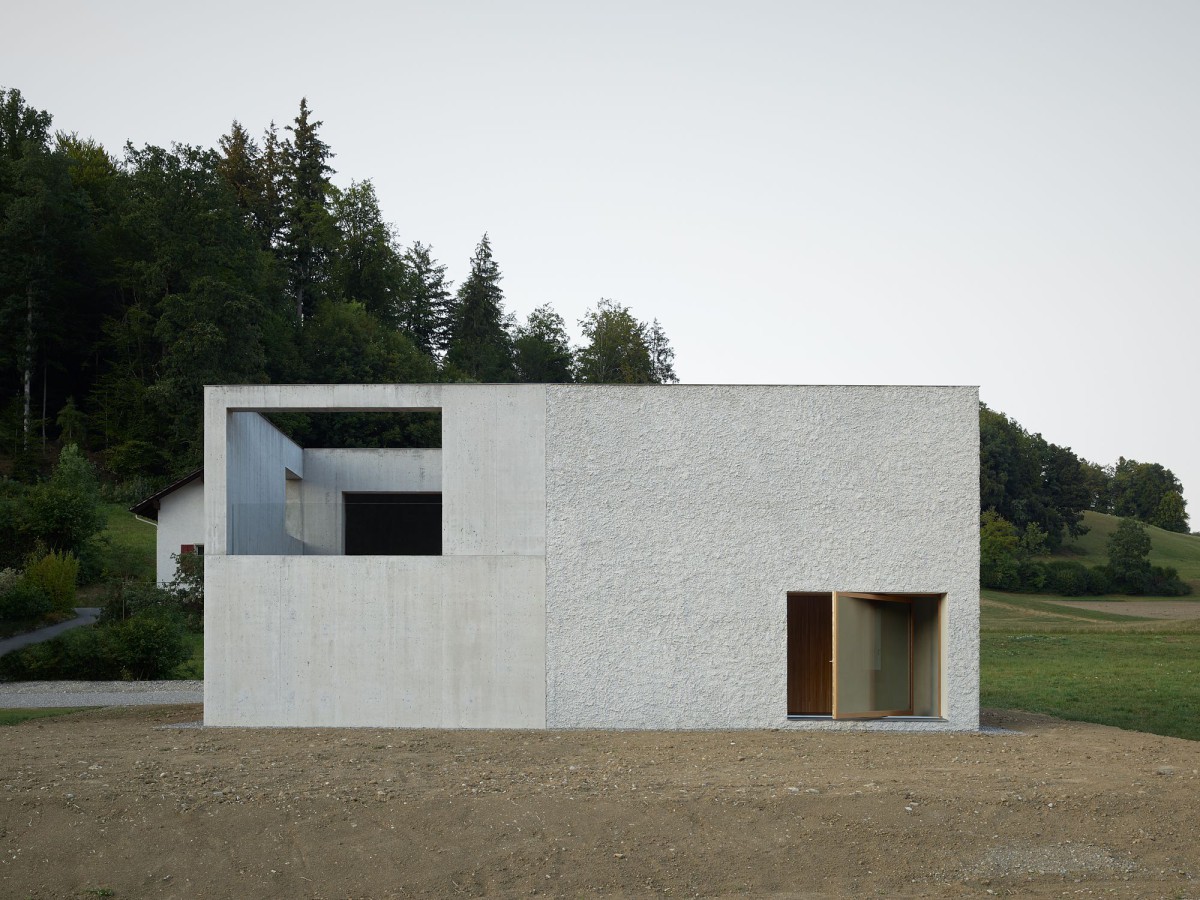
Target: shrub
column 1032, row 575
column 1164, row 582
column 188, row 586
column 1068, row 578
column 126, row 599
column 148, row 645
column 55, row 573
column 1099, row 581
column 999, row 552
column 64, row 511
column 25, row 599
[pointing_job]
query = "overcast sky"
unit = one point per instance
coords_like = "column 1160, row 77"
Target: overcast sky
column 996, row 193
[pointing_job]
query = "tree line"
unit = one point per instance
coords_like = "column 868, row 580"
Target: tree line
column 128, row 283
column 1033, row 494
column 1028, row 481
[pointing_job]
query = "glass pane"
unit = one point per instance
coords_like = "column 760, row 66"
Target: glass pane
column 873, row 657
column 890, row 663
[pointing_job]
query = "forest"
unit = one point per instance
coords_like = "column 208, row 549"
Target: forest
column 128, row 282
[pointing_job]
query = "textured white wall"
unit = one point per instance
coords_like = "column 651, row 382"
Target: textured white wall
column 330, row 473
column 408, row 641
column 180, row 521
column 678, row 518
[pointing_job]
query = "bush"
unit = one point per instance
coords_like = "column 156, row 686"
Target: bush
column 64, row 511
column 1032, row 575
column 148, row 645
column 1068, row 578
column 55, row 573
column 1099, row 581
column 1164, row 582
column 188, row 586
column 24, row 600
column 126, row 599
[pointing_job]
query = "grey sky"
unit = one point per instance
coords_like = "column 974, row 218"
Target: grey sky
column 997, row 193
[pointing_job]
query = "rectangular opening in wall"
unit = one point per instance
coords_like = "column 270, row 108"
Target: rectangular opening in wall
column 393, row 524
column 863, row 655
column 362, row 430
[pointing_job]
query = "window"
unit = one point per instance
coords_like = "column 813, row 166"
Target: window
column 862, row 655
column 185, row 549
column 393, row 524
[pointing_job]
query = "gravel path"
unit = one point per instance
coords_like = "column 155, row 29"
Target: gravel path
column 34, row 694
column 84, row 615
column 1150, row 609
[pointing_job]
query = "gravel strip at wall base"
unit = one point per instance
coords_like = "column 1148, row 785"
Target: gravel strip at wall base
column 39, row 694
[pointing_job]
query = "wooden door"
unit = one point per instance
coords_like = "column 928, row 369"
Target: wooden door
column 809, row 654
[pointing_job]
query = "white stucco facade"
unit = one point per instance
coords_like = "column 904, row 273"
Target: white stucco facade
column 180, row 525
column 612, row 556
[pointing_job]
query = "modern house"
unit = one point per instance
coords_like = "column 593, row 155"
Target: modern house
column 178, row 511
column 595, row 556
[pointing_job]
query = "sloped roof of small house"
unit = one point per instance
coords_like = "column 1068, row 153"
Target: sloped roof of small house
column 148, row 508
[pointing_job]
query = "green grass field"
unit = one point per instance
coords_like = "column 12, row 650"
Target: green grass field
column 1131, row 672
column 1180, row 551
column 132, row 540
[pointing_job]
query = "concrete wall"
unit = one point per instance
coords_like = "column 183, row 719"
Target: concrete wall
column 258, row 455
column 679, row 518
column 180, row 521
column 494, row 470
column 456, row 640
column 614, row 556
column 435, row 641
column 330, row 473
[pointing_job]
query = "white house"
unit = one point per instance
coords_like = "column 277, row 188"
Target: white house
column 178, row 511
column 595, row 556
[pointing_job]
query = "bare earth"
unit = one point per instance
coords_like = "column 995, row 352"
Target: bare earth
column 1150, row 609
column 111, row 801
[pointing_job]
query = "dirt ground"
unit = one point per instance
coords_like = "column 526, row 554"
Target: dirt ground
column 110, row 803
column 1150, row 609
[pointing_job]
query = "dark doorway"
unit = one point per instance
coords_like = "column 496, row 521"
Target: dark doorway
column 810, row 654
column 393, row 524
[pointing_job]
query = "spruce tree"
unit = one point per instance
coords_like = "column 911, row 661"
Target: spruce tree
column 309, row 232
column 425, row 300
column 480, row 342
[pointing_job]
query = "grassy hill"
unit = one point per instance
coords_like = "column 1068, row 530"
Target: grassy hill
column 1167, row 548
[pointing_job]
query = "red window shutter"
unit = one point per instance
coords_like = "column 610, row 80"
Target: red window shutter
column 187, row 548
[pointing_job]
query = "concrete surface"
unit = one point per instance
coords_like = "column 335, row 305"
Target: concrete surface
column 614, row 556
column 84, row 615
column 45, row 694
column 412, row 641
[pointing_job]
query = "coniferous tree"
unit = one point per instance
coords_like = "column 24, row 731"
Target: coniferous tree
column 480, row 344
column 662, row 355
column 272, row 162
column 43, row 234
column 425, row 300
column 242, row 168
column 309, row 233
